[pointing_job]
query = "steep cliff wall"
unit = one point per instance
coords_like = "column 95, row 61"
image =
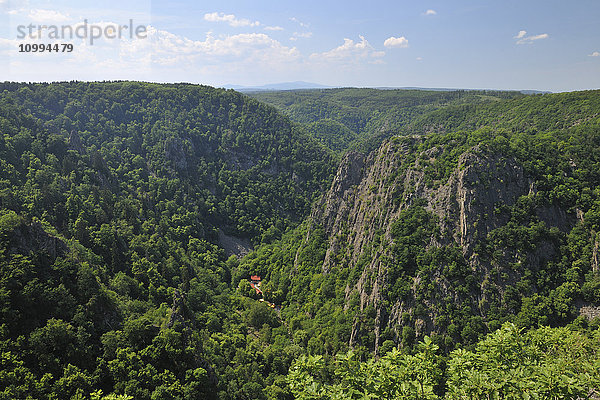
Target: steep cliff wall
column 471, row 205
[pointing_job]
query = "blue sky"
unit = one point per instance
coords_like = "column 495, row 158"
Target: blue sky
column 545, row 45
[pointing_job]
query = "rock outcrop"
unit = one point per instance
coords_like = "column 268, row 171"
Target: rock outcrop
column 27, row 238
column 369, row 193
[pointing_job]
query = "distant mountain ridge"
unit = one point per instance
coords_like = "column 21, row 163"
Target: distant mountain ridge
column 302, row 85
column 524, row 91
column 296, row 85
column 345, row 118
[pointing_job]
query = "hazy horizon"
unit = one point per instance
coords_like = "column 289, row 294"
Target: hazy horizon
column 537, row 45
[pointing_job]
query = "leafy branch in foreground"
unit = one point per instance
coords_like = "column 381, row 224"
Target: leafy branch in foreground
column 547, row 363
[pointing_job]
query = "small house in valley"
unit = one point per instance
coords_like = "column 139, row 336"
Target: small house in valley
column 255, row 283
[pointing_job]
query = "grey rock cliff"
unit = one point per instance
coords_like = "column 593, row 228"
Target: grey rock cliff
column 369, row 193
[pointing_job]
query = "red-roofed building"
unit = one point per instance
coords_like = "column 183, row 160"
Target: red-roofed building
column 255, row 283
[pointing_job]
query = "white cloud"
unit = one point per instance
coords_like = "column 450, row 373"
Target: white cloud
column 430, row 12
column 8, row 45
column 231, row 19
column 13, row 6
column 595, row 54
column 520, row 35
column 168, row 49
column 273, row 28
column 350, row 51
column 48, row 16
column 419, row 58
column 396, row 42
column 161, row 54
column 538, row 37
column 301, row 35
column 302, row 24
column 522, row 39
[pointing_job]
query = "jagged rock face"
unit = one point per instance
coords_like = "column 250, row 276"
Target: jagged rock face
column 369, row 193
column 33, row 238
column 335, row 206
column 75, row 142
column 472, row 194
column 175, row 151
column 234, row 246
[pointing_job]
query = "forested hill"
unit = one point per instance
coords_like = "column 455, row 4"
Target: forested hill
column 352, row 118
column 114, row 198
column 480, row 214
column 478, row 217
column 237, row 164
column 426, row 268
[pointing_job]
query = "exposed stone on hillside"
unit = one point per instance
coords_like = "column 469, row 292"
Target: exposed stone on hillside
column 75, row 142
column 334, row 206
column 368, row 194
column 175, row 151
column 233, row 245
column 590, row 312
column 33, row 238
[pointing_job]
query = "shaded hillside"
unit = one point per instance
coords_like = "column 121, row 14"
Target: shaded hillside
column 114, row 199
column 240, row 164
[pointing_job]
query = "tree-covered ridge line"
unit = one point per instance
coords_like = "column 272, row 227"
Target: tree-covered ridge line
column 361, row 118
column 219, row 141
column 529, row 114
